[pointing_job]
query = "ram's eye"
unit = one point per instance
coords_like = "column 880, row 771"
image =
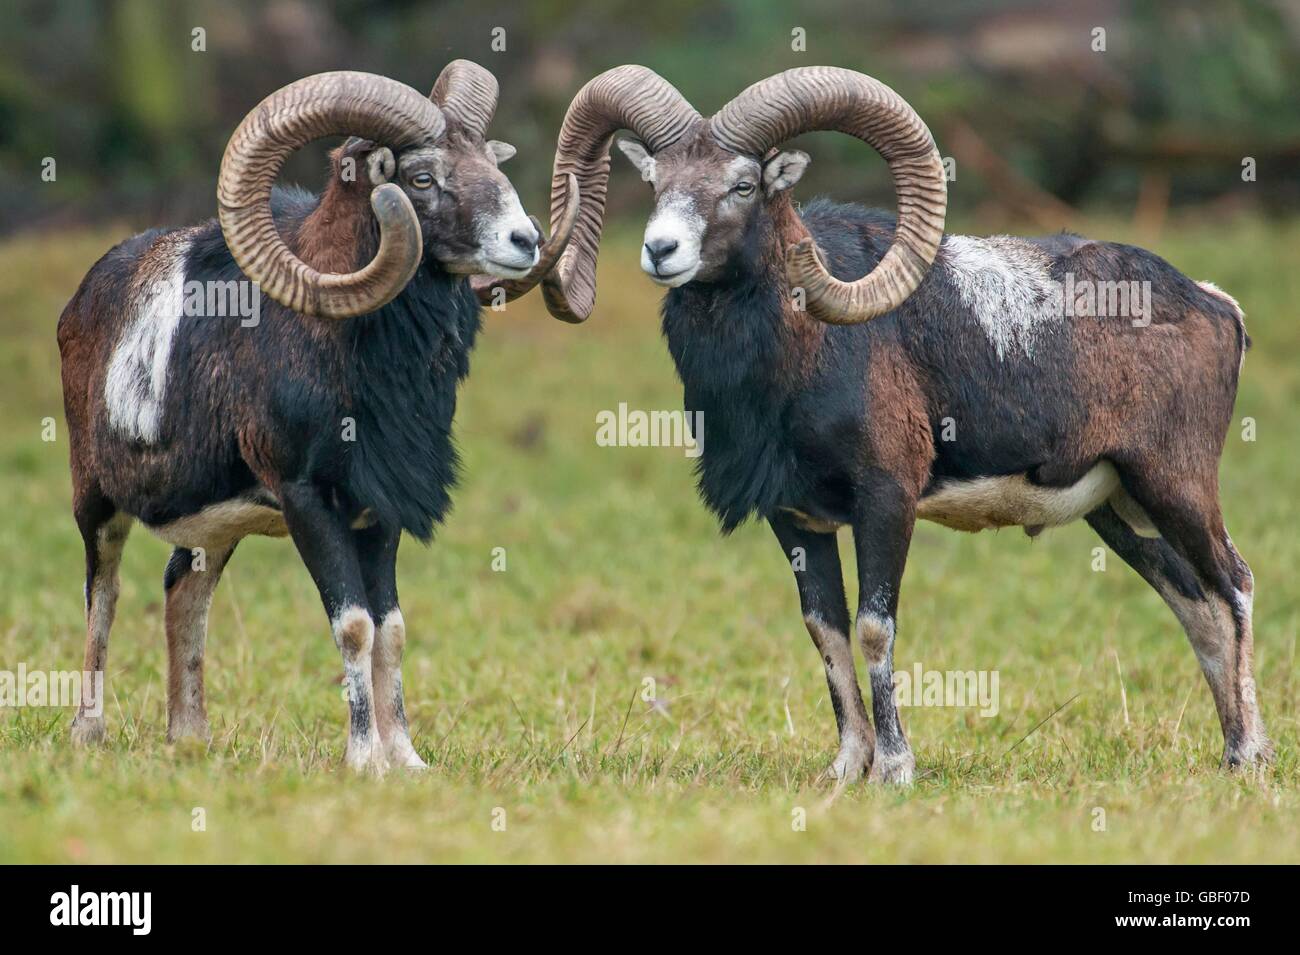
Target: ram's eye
column 422, row 180
column 743, row 188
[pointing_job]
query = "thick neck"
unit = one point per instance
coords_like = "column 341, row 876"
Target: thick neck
column 802, row 335
column 751, row 312
column 340, row 235
column 742, row 352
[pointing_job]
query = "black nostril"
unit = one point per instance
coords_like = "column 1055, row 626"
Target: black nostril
column 660, row 249
column 523, row 241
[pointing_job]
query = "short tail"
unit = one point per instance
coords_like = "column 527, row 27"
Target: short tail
column 1211, row 289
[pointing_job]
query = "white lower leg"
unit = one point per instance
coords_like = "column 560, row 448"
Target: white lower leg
column 1256, row 746
column 354, row 632
column 857, row 741
column 390, row 708
column 893, row 762
column 1226, row 662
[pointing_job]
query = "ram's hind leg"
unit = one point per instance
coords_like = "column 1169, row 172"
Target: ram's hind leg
column 1198, row 572
column 377, row 549
column 188, row 584
column 1256, row 746
column 104, row 531
column 815, row 559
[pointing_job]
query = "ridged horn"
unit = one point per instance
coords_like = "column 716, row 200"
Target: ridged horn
column 338, row 103
column 811, row 98
column 485, row 286
column 627, row 97
column 467, row 94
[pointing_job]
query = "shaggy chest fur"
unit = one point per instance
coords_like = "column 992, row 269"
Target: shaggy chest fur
column 220, row 411
column 406, row 362
column 776, row 426
column 726, row 344
column 369, row 404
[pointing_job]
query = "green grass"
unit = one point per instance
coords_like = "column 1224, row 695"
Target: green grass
column 523, row 686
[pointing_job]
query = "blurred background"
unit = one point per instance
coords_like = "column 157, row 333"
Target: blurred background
column 520, row 685
column 1040, row 122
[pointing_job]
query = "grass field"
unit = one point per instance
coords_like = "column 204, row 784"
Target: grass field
column 523, row 686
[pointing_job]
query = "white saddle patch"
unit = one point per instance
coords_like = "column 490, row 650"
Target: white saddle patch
column 1006, row 284
column 137, row 373
column 1013, row 501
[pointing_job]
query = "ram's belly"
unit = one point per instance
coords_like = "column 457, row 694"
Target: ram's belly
column 225, row 523
column 222, row 524
column 1013, row 501
column 1010, row 501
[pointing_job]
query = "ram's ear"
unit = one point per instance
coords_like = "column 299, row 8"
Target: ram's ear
column 639, row 156
column 783, row 170
column 499, row 151
column 381, row 165
column 351, row 162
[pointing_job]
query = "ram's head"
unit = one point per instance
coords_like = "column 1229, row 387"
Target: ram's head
column 713, row 177
column 430, row 175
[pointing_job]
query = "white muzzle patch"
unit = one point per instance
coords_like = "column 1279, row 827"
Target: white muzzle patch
column 496, row 231
column 671, row 253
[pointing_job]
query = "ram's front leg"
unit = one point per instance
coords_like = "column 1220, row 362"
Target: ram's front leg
column 377, row 548
column 325, row 542
column 815, row 559
column 882, row 531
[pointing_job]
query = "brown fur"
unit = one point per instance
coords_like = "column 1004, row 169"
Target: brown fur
column 332, row 235
column 804, row 334
column 899, row 440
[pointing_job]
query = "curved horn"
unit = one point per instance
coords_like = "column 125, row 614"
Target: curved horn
column 626, row 97
column 828, row 98
column 360, row 104
column 485, row 285
column 467, row 94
